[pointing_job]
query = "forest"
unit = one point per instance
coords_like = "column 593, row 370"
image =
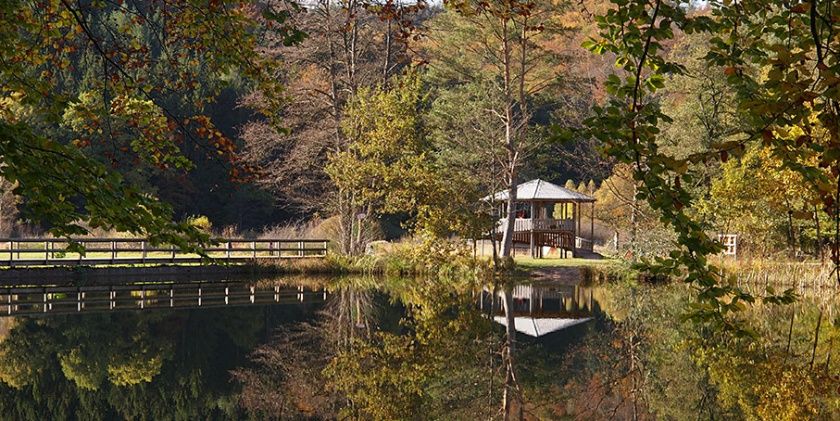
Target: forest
column 407, row 114
column 387, row 128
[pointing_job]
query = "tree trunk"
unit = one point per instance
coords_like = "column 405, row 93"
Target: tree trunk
column 507, row 233
column 510, row 142
column 634, row 222
column 819, row 234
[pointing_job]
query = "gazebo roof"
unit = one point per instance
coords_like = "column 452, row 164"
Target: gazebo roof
column 543, row 190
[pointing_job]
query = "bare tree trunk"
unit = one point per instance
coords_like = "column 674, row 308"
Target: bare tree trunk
column 634, row 221
column 507, row 234
column 820, row 251
column 510, row 143
column 386, row 68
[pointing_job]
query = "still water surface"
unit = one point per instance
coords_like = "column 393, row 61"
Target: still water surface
column 168, row 350
column 383, row 348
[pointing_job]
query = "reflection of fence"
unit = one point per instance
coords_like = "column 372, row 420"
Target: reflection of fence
column 93, row 299
column 109, row 251
column 730, row 244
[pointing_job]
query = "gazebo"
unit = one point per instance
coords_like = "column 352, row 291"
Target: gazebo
column 547, row 215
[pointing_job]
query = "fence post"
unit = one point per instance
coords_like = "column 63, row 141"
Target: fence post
column 46, row 252
column 227, row 252
column 113, row 251
column 300, row 248
column 254, row 248
column 173, row 253
column 143, row 251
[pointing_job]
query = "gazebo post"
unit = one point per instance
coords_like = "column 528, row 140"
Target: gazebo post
column 533, row 213
column 576, row 222
column 592, row 227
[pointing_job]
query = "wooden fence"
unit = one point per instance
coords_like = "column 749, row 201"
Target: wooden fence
column 16, row 252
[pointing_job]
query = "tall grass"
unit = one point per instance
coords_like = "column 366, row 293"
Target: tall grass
column 802, row 276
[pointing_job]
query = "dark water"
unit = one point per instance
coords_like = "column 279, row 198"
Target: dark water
column 379, row 348
column 166, row 350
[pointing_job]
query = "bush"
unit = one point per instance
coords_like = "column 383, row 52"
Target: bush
column 201, row 222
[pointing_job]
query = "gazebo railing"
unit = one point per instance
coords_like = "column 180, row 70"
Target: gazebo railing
column 542, row 224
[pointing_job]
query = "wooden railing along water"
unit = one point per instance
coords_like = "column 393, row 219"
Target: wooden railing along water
column 16, row 252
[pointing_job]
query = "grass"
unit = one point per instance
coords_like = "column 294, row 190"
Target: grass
column 531, row 263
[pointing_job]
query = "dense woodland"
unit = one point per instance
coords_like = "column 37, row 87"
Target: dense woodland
column 405, row 114
column 362, row 120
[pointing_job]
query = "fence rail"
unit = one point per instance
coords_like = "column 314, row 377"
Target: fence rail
column 109, row 251
column 583, row 244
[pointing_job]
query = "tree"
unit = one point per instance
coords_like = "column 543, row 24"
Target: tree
column 350, row 45
column 629, row 124
column 507, row 57
column 139, row 78
column 384, row 155
column 8, row 207
column 506, row 54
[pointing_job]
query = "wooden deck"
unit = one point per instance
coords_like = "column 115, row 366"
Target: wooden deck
column 556, row 233
column 18, row 252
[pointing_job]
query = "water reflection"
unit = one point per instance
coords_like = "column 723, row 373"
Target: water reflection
column 133, row 350
column 546, row 307
column 31, row 300
column 365, row 348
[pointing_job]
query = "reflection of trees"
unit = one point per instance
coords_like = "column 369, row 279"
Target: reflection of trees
column 349, row 314
column 426, row 357
column 647, row 362
column 286, row 380
column 160, row 365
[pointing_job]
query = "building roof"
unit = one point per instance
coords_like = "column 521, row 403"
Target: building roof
column 543, row 190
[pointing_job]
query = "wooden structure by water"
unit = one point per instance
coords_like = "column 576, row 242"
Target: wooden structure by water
column 547, row 216
column 47, row 300
column 20, row 252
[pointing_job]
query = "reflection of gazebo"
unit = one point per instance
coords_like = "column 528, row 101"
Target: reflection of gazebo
column 547, row 215
column 541, row 309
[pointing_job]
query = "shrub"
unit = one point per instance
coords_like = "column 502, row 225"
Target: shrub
column 201, row 222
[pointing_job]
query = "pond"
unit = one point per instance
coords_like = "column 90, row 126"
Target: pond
column 359, row 348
